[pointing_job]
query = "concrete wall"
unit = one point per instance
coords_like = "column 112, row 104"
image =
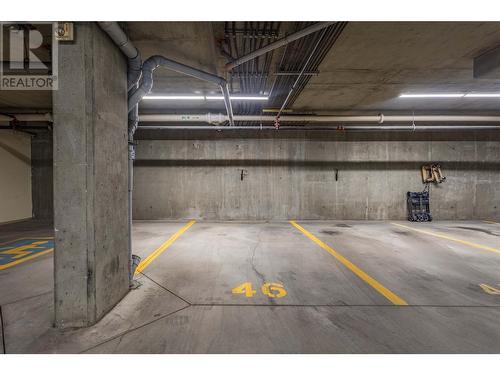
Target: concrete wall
column 90, row 178
column 42, row 176
column 290, row 176
column 15, row 176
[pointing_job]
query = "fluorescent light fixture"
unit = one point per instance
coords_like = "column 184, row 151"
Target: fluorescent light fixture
column 483, row 95
column 173, row 97
column 431, row 95
column 236, row 97
column 453, row 95
column 199, row 97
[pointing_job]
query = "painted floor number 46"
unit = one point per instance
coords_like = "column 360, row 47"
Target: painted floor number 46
column 273, row 290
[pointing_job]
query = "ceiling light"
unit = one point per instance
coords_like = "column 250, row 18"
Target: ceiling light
column 483, row 95
column 238, row 97
column 199, row 97
column 431, row 95
column 173, row 97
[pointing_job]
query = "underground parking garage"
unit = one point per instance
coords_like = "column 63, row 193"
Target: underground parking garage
column 250, row 187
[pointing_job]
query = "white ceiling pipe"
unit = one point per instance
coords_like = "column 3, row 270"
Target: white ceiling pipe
column 210, row 118
column 27, row 117
column 323, row 128
column 216, row 118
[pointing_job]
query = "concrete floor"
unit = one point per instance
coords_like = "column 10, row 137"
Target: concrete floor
column 185, row 303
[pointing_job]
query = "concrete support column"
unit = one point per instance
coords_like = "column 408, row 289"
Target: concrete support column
column 90, row 178
column 42, row 177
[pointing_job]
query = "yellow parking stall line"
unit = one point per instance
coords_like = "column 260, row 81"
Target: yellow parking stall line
column 446, row 237
column 164, row 246
column 395, row 299
column 36, row 255
column 491, row 222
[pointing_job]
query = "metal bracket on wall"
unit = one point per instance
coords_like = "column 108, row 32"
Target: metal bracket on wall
column 244, row 173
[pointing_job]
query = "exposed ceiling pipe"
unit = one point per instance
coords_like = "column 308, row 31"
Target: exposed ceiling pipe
column 156, row 61
column 26, row 127
column 217, row 118
column 299, row 76
column 135, row 70
column 128, row 49
column 311, row 73
column 26, row 117
column 279, row 43
column 327, row 128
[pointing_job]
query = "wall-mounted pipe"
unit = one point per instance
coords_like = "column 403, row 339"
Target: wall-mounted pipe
column 137, row 91
column 128, row 49
column 279, row 43
column 213, row 118
column 156, row 61
column 134, row 73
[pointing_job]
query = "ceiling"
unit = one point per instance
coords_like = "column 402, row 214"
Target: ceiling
column 372, row 63
column 362, row 66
